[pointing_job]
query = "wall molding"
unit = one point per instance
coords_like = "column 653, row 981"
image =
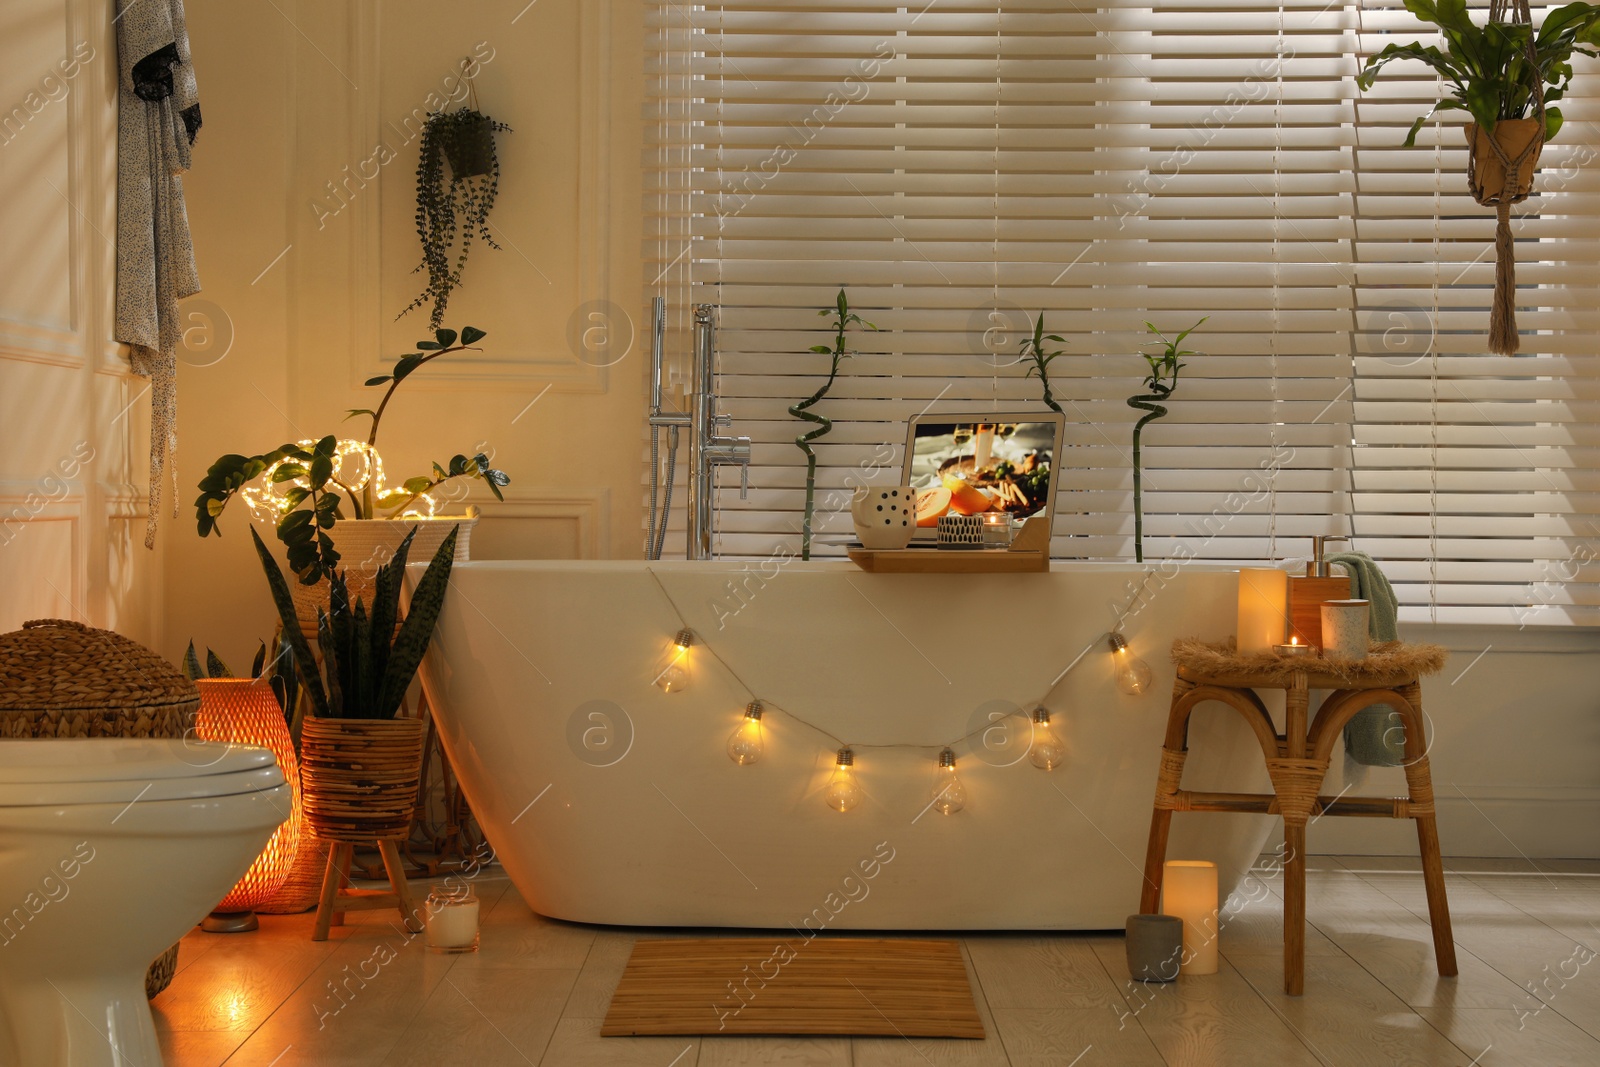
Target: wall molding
column 591, row 510
column 590, row 263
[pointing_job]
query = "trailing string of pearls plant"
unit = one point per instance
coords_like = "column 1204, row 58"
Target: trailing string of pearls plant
column 1045, row 749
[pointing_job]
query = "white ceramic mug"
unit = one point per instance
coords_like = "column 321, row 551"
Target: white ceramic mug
column 885, row 516
column 1344, row 628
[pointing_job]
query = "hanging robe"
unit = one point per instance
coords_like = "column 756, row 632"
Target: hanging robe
column 158, row 115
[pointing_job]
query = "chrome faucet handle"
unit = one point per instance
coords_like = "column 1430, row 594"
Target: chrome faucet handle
column 722, row 419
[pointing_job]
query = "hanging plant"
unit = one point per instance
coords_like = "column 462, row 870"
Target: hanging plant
column 457, row 206
column 1160, row 384
column 844, row 318
column 1506, row 76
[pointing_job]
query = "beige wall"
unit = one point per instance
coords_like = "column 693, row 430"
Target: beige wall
column 72, row 462
column 307, row 151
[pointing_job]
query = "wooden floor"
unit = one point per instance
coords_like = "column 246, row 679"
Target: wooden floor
column 1528, row 994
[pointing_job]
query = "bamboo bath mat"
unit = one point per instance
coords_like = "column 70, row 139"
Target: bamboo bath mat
column 750, row 985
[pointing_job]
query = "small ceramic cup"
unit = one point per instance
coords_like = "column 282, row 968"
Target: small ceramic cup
column 1344, row 628
column 1155, row 947
column 885, row 516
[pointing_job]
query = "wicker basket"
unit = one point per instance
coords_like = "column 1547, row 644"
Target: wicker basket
column 367, row 544
column 65, row 679
column 360, row 777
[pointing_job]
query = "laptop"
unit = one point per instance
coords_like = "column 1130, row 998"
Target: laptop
column 968, row 462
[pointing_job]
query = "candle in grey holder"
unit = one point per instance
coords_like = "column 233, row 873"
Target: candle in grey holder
column 1155, row 947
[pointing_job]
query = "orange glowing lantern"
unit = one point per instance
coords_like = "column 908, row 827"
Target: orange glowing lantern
column 245, row 711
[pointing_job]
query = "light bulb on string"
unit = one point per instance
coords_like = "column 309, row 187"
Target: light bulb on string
column 843, row 792
column 1133, row 675
column 1046, row 750
column 675, row 677
column 744, row 747
column 949, row 795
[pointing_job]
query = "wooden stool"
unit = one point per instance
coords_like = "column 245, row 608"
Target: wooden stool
column 337, row 898
column 1297, row 760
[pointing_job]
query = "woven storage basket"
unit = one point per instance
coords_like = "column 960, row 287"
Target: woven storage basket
column 64, row 679
column 360, row 777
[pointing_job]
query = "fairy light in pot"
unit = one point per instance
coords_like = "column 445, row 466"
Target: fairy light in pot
column 675, row 678
column 843, row 791
column 949, row 795
column 1133, row 675
column 744, row 747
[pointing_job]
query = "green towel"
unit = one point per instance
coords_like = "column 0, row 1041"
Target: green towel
column 1374, row 737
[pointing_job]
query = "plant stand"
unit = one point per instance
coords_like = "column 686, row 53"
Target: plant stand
column 361, row 778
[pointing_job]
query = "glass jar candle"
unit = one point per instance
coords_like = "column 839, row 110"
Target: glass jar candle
column 452, row 924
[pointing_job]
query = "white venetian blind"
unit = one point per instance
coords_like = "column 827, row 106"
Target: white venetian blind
column 959, row 167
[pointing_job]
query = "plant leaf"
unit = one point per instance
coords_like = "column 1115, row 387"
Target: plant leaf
column 191, row 664
column 305, row 662
column 411, row 643
column 446, row 338
column 471, row 335
column 215, row 668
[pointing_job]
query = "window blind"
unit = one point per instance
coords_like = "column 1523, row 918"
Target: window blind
column 960, row 167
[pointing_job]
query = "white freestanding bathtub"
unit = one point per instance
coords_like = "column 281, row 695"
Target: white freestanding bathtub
column 611, row 801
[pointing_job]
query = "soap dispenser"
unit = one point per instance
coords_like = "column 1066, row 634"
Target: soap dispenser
column 1308, row 592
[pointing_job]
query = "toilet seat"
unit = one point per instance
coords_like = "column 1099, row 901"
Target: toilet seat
column 59, row 772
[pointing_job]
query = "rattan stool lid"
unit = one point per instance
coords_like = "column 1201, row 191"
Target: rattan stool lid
column 55, row 665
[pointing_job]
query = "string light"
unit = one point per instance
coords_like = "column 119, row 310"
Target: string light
column 356, row 465
column 675, row 677
column 843, row 792
column 744, row 747
column 949, row 795
column 1133, row 675
column 1047, row 752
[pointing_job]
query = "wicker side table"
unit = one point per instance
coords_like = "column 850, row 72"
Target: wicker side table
column 1297, row 761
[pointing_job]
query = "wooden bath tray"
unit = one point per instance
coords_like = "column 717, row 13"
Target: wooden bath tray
column 1029, row 552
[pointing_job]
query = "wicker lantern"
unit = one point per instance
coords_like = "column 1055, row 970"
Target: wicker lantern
column 245, row 711
column 63, row 679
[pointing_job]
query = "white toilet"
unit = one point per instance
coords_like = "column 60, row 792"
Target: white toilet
column 110, row 850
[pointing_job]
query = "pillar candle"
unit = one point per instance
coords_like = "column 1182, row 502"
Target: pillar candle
column 1263, row 608
column 1189, row 891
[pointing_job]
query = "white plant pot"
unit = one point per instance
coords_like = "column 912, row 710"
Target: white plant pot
column 366, row 544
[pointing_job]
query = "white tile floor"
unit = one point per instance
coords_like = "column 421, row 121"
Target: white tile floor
column 1528, row 994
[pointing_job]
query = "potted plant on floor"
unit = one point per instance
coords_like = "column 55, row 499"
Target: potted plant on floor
column 307, row 486
column 361, row 762
column 1507, row 76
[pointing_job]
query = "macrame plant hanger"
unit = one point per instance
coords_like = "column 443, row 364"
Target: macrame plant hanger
column 1503, row 337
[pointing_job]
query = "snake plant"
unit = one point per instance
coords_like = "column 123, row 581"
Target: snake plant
column 366, row 666
column 844, row 318
column 1160, row 384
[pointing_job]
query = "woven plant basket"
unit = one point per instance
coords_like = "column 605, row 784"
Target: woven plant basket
column 64, row 679
column 1519, row 139
column 360, row 777
column 367, row 544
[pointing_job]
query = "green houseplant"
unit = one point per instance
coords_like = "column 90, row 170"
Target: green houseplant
column 457, row 206
column 1039, row 360
column 307, row 487
column 1507, row 76
column 843, row 319
column 1159, row 384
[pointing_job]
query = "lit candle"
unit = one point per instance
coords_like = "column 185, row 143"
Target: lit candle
column 1263, row 608
column 452, row 920
column 1189, row 891
column 996, row 528
column 1294, row 647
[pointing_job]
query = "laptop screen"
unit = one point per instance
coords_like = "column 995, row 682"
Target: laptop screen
column 970, row 464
